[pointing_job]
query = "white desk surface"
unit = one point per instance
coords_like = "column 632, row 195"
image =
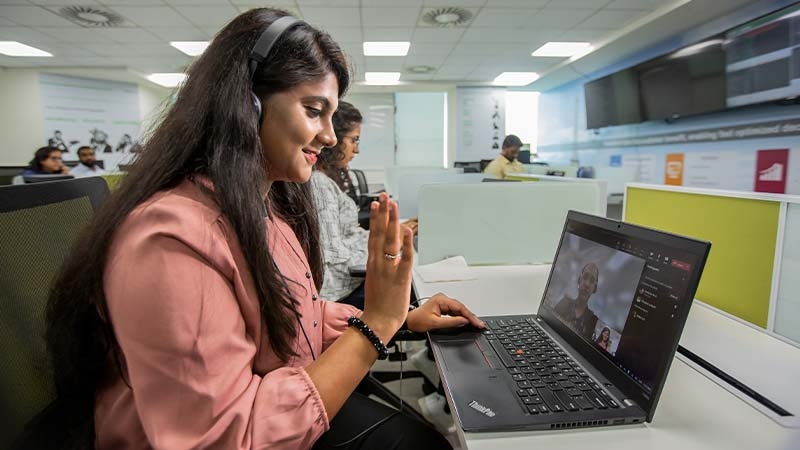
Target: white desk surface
column 693, row 411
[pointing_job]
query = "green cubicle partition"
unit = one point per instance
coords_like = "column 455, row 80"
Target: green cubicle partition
column 743, row 231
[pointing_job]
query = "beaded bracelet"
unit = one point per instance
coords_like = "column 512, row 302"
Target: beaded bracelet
column 383, row 352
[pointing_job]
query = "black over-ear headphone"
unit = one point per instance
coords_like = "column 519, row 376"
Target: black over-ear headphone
column 263, row 45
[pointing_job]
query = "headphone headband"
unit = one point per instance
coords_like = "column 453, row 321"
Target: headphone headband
column 267, row 40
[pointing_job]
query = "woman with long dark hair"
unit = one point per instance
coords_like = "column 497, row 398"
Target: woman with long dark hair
column 187, row 315
column 46, row 161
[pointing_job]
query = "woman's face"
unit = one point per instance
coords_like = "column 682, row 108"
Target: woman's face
column 296, row 126
column 349, row 146
column 606, row 334
column 52, row 163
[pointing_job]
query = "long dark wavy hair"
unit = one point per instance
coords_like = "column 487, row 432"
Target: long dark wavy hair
column 211, row 129
column 344, row 121
column 40, row 155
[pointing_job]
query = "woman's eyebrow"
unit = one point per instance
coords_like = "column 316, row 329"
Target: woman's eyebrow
column 318, row 99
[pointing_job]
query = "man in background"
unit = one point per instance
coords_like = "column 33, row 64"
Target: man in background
column 87, row 167
column 507, row 162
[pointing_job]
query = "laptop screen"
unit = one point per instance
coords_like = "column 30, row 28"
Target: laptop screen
column 624, row 291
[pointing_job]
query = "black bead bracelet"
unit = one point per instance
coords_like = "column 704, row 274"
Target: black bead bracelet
column 383, row 352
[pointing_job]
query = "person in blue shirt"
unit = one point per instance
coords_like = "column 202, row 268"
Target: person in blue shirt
column 46, row 161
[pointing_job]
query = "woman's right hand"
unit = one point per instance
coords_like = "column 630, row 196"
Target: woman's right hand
column 387, row 289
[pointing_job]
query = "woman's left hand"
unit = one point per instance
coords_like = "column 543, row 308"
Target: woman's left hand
column 441, row 311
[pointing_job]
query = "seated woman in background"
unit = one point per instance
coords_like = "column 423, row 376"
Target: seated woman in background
column 343, row 241
column 46, row 161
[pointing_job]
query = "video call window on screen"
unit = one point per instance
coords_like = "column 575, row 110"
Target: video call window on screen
column 620, row 297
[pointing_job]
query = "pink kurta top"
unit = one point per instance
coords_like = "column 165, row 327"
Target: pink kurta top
column 195, row 352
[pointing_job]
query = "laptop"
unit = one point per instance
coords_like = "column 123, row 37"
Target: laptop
column 598, row 351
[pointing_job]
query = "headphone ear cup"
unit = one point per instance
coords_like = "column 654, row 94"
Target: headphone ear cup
column 257, row 106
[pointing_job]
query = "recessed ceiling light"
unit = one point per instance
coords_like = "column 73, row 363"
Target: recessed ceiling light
column 14, row 48
column 382, row 77
column 386, row 48
column 169, row 80
column 562, row 49
column 515, row 78
column 191, row 48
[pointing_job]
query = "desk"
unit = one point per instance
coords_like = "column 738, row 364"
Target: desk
column 694, row 413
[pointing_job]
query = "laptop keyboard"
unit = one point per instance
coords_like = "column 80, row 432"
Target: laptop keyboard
column 548, row 379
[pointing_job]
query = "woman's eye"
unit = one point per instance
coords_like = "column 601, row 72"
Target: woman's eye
column 313, row 112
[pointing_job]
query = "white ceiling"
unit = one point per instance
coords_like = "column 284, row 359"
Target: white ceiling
column 500, row 38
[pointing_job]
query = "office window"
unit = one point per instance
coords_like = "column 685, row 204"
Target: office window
column 421, row 128
column 522, row 116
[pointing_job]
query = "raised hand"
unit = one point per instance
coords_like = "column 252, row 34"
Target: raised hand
column 387, row 289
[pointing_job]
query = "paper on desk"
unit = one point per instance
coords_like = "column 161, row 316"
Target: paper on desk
column 450, row 269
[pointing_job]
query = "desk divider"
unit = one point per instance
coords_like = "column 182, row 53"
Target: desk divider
column 602, row 185
column 498, row 223
column 752, row 269
column 408, row 187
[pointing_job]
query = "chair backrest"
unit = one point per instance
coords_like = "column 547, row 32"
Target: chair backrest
column 7, row 173
column 363, row 188
column 38, row 226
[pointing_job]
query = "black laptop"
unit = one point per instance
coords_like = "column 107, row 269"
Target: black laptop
column 599, row 349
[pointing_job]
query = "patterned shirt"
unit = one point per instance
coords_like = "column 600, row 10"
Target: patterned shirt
column 343, row 241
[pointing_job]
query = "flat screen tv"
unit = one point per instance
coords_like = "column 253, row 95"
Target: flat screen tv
column 613, row 100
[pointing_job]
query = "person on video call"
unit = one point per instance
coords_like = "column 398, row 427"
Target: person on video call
column 604, row 340
column 507, row 163
column 575, row 311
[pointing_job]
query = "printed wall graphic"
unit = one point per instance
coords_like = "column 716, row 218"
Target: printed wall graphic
column 481, row 123
column 770, row 174
column 717, row 170
column 615, row 161
column 99, row 113
column 673, row 169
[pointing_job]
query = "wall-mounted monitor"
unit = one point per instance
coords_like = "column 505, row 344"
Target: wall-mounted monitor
column 756, row 62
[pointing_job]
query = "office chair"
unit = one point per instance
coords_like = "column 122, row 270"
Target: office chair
column 7, row 173
column 362, row 197
column 484, row 163
column 38, row 225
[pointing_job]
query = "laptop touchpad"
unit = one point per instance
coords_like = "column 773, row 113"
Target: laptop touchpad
column 462, row 355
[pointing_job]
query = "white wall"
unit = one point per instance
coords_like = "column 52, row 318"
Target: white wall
column 21, row 117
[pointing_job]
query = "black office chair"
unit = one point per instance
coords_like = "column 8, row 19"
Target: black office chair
column 484, row 163
column 38, row 225
column 7, row 173
column 362, row 196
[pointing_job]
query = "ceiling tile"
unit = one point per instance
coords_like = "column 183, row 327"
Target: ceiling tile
column 127, row 35
column 146, row 16
column 153, row 50
column 425, row 60
column 389, row 3
column 345, row 34
column 194, row 2
column 650, row 5
column 6, row 23
column 416, row 76
column 384, row 63
column 559, row 18
column 517, row 3
column 502, row 17
column 178, row 33
column 135, row 2
column 291, row 9
column 328, row 3
column 334, row 17
column 62, row 2
column 579, row 4
column 462, row 3
column 208, row 16
column 388, row 34
column 611, row 19
column 76, row 34
column 587, row 35
column 421, row 48
column 33, row 16
column 65, row 49
column 495, row 35
column 108, row 49
column 26, row 35
column 389, row 17
column 437, row 35
column 486, row 49
column 273, row 3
